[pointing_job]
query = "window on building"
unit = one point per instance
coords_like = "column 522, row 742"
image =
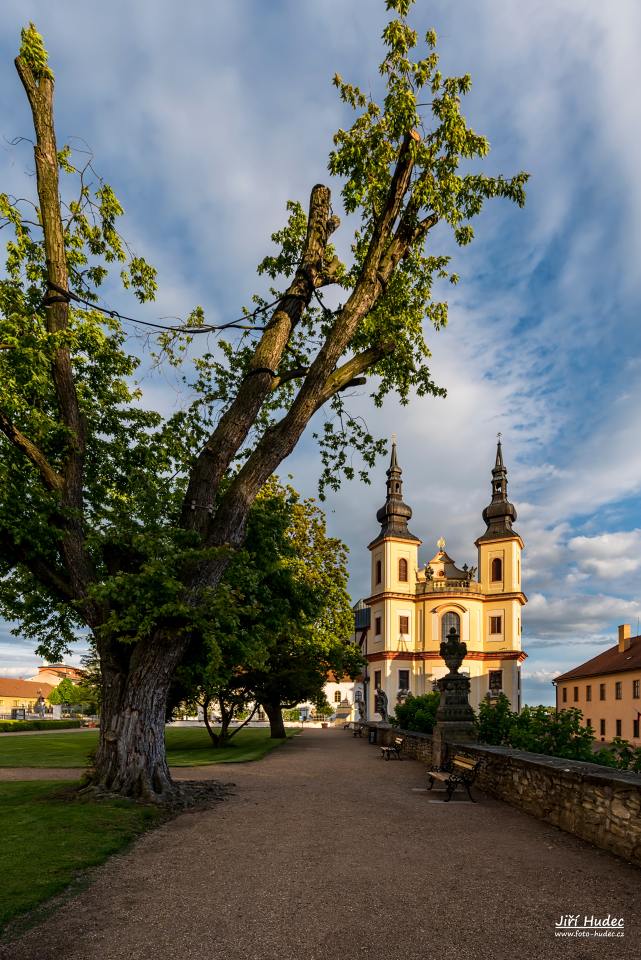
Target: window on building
column 635, row 728
column 588, row 722
column 602, row 727
column 497, row 569
column 403, row 679
column 495, row 682
column 404, row 625
column 565, row 694
column 618, row 690
column 337, row 696
column 601, row 691
column 402, row 570
column 377, row 679
column 448, row 621
column 588, row 693
column 377, row 626
column 379, row 571
column 618, row 726
column 635, row 688
column 496, row 625
column 575, row 695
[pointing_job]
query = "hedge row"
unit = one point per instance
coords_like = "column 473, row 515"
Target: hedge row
column 12, row 726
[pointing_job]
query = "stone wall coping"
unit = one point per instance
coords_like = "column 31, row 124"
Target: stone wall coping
column 593, row 772
column 581, row 768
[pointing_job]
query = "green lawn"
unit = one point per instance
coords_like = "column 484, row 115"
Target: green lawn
column 185, row 748
column 47, row 839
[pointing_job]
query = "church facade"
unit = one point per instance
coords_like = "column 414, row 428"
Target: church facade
column 411, row 608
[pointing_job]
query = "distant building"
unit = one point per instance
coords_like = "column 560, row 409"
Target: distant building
column 607, row 690
column 412, row 608
column 21, row 694
column 24, row 694
column 53, row 673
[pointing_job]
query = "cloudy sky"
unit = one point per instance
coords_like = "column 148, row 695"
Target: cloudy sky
column 206, row 117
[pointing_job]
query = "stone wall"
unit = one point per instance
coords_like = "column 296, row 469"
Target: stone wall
column 592, row 802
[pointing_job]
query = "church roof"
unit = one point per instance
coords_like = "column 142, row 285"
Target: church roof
column 612, row 660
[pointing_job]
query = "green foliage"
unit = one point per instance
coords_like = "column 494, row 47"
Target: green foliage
column 32, row 51
column 69, row 693
column 620, row 754
column 418, row 713
column 557, row 734
column 494, row 720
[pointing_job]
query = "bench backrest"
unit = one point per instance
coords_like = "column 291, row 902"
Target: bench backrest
column 398, row 742
column 466, row 763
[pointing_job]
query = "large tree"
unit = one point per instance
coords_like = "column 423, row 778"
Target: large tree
column 116, row 520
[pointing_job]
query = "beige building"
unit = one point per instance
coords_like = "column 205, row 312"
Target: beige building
column 412, row 607
column 25, row 694
column 607, row 690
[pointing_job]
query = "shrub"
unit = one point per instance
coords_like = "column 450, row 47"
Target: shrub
column 495, row 720
column 418, row 713
column 13, row 726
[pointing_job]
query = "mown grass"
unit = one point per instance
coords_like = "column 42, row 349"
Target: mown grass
column 48, row 838
column 185, row 748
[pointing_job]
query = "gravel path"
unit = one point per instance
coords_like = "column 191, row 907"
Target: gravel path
column 327, row 851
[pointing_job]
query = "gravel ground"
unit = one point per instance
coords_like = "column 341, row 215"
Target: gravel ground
column 327, row 851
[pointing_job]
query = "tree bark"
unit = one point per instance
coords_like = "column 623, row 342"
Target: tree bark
column 274, row 712
column 131, row 758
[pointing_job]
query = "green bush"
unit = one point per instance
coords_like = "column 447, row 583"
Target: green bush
column 543, row 730
column 620, row 754
column 417, row 713
column 494, row 720
column 13, row 726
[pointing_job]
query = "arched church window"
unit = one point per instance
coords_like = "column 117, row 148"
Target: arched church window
column 379, row 571
column 449, row 620
column 497, row 569
column 402, row 570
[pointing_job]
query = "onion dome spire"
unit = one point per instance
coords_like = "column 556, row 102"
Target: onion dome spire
column 394, row 514
column 499, row 514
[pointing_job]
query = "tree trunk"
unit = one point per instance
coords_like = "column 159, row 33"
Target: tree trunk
column 274, row 713
column 131, row 759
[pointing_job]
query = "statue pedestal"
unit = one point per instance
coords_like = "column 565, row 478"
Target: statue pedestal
column 447, row 732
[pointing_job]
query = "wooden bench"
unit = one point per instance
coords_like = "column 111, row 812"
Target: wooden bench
column 460, row 771
column 394, row 749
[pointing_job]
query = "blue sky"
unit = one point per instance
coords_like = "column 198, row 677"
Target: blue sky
column 207, row 117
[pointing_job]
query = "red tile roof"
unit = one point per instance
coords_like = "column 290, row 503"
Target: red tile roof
column 610, row 661
column 10, row 687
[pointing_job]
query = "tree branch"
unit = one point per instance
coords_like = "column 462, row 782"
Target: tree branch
column 43, row 571
column 50, row 477
column 40, row 95
column 237, row 421
column 350, row 370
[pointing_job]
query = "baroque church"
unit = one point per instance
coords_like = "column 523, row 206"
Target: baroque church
column 411, row 608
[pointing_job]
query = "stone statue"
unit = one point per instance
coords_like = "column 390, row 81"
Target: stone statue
column 361, row 710
column 429, row 573
column 380, row 704
column 454, row 687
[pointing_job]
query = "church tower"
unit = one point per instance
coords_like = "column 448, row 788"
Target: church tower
column 499, row 549
column 394, row 562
